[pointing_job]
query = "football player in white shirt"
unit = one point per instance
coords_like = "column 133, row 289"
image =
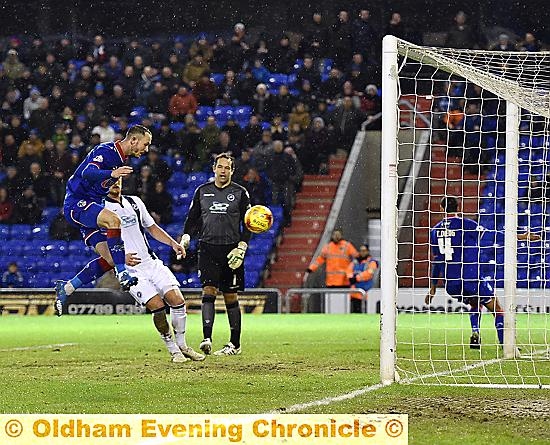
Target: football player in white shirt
column 157, row 286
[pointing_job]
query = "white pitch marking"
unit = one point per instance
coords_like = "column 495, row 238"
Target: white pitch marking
column 30, row 348
column 359, row 392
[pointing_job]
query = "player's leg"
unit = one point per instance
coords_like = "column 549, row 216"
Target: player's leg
column 475, row 320
column 178, row 318
column 493, row 305
column 209, row 270
column 157, row 307
column 231, row 282
column 110, row 221
column 92, row 271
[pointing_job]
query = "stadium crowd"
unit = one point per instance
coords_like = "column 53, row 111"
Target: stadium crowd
column 60, row 98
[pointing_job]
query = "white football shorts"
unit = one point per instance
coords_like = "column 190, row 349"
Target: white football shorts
column 153, row 278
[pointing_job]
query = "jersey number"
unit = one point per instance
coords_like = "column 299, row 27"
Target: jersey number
column 445, row 247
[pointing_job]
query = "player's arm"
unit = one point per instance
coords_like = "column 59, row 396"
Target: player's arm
column 100, row 168
column 438, row 264
column 319, row 261
column 235, row 258
column 368, row 273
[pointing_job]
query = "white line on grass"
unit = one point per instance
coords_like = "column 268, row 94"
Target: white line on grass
column 359, row 392
column 31, row 348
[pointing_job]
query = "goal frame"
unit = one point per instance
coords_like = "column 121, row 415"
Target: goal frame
column 389, row 217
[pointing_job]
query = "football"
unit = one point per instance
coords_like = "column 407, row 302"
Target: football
column 258, row 219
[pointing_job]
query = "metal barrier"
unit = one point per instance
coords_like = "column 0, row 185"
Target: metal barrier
column 326, row 306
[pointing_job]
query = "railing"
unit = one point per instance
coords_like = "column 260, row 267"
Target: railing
column 306, row 292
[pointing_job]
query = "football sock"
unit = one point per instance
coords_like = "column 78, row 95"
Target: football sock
column 208, row 315
column 90, row 272
column 178, row 317
column 161, row 323
column 475, row 317
column 234, row 316
column 116, row 247
column 499, row 325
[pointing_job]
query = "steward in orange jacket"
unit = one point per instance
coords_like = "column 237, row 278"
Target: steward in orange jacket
column 337, row 254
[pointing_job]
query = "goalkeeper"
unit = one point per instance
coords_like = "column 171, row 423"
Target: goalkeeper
column 216, row 216
column 456, row 245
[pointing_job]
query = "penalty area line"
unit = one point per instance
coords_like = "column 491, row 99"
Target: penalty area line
column 37, row 347
column 359, row 392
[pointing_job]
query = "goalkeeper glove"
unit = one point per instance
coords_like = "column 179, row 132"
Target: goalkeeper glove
column 236, row 256
column 185, row 240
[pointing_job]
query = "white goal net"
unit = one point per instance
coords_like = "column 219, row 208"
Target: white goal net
column 471, row 127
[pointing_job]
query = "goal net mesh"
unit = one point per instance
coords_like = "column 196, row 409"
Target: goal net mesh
column 452, row 142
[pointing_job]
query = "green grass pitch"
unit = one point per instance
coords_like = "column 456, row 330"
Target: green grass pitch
column 117, row 364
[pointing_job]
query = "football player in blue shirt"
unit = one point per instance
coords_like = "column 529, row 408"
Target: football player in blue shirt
column 84, row 208
column 455, row 243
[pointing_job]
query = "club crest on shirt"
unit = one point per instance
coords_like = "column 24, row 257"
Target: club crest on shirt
column 231, row 197
column 98, row 158
column 81, row 203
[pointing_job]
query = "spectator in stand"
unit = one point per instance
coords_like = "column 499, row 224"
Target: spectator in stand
column 157, row 102
column 321, row 111
column 346, row 120
column 316, row 37
column 205, row 91
column 97, row 53
column 9, row 150
column 194, row 69
column 146, row 84
column 307, row 96
column 77, row 145
column 13, row 182
column 17, row 130
column 57, row 100
column 189, row 139
column 85, row 80
column 159, row 168
column 503, row 44
column 461, row 34
column 359, row 74
column 12, row 102
column 220, row 59
column 337, row 255
column 226, row 145
column 181, row 104
column 529, row 43
column 278, row 130
column 297, row 179
column 283, row 102
column 129, row 79
column 300, row 115
column 282, row 57
column 371, row 106
column 27, row 156
column 119, row 104
column 308, row 72
column 228, row 93
column 105, row 131
column 156, row 55
column 201, row 46
column 169, row 79
column 263, row 151
column 64, row 51
column 454, row 122
column 342, row 40
column 331, row 87
column 6, row 206
column 365, row 37
column 12, row 278
column 159, row 203
column 78, row 101
column 235, row 133
column 361, row 272
column 43, row 119
column 242, row 166
column 61, row 168
column 252, row 132
column 12, row 66
column 60, row 229
column 296, row 137
column 31, row 103
column 41, row 183
column 316, row 148
column 281, row 171
column 209, row 138
column 262, row 103
column 113, row 68
column 261, row 51
column 27, row 210
column 246, row 87
column 165, row 138
column 254, row 185
column 145, row 183
column 36, row 53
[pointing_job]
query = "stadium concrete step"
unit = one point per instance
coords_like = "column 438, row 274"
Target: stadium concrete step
column 468, row 204
column 311, row 204
column 314, row 189
column 313, row 212
column 449, row 171
column 293, row 261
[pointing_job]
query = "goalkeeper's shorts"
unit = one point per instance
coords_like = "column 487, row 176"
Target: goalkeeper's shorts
column 214, row 270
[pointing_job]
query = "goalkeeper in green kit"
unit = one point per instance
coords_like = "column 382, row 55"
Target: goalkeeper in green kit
column 216, row 215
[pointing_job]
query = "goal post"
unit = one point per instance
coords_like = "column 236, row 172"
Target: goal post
column 474, row 125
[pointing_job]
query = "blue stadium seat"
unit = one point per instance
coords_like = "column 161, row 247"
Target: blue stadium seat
column 49, row 213
column 217, row 78
column 40, row 232
column 176, row 126
column 243, row 112
column 5, row 232
column 179, row 164
column 203, row 112
column 277, row 79
column 21, row 231
column 179, row 178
